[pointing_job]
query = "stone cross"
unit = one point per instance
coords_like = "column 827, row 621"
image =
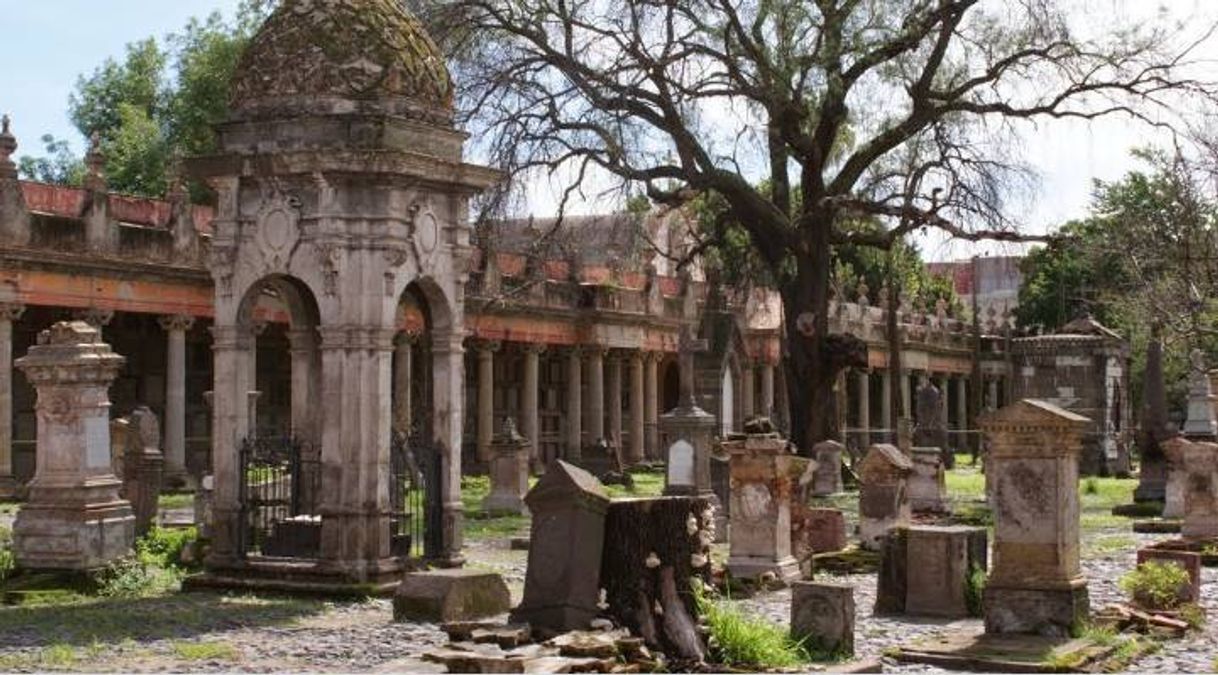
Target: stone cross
column 686, row 350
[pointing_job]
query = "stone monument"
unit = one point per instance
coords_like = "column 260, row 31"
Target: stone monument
column 142, row 465
column 828, row 477
column 822, row 616
column 509, row 471
column 1176, row 475
column 925, row 570
column 928, row 482
column 931, row 429
column 1200, row 467
column 562, row 582
column 1200, row 424
column 1152, row 474
column 761, row 489
column 883, row 493
column 74, row 518
column 690, row 429
column 1037, row 584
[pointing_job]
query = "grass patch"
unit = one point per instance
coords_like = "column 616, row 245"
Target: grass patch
column 179, row 500
column 742, row 640
column 8, row 561
column 55, row 657
column 646, row 484
column 9, row 508
column 965, row 484
column 214, row 650
column 1111, row 544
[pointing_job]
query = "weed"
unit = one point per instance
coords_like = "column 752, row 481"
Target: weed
column 206, row 651
column 58, row 656
column 133, row 578
column 8, row 561
column 1210, row 550
column 1091, row 486
column 163, row 547
column 1155, row 584
column 1192, row 614
column 743, row 640
column 1104, row 636
column 1112, row 544
column 974, row 590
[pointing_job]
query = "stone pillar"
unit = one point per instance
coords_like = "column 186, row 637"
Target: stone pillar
column 486, row 398
column 8, row 314
column 864, row 403
column 251, row 362
column 74, row 518
column 767, row 389
column 403, row 375
column 530, row 420
column 614, row 433
column 637, row 426
column 991, row 394
column 651, row 404
column 230, row 425
column 748, row 386
column 905, row 394
column 575, row 441
column 509, row 472
column 962, row 405
column 1036, row 584
column 175, row 393
column 885, row 400
column 448, row 403
column 596, row 394
column 761, row 508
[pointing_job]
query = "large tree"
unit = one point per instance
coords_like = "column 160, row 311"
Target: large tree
column 902, row 111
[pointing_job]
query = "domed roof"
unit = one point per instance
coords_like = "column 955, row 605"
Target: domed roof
column 355, row 50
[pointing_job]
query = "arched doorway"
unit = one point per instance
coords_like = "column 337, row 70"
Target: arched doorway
column 279, row 454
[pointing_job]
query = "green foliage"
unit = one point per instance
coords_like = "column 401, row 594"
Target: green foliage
column 974, row 590
column 163, row 546
column 1155, row 584
column 741, row 640
column 1091, row 486
column 206, row 651
column 58, row 165
column 153, row 570
column 1192, row 614
column 8, row 561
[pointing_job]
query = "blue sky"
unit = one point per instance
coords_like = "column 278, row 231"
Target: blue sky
column 47, row 44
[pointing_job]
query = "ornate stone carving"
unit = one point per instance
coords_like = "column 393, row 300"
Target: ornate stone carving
column 278, row 227
column 424, row 233
column 329, row 257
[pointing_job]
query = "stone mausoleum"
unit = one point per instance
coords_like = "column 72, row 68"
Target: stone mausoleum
column 332, row 334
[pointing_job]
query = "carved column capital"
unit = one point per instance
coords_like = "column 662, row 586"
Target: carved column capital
column 405, row 339
column 95, row 316
column 11, row 311
column 176, row 322
column 483, row 346
column 533, row 347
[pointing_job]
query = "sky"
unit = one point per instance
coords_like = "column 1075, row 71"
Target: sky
column 47, row 44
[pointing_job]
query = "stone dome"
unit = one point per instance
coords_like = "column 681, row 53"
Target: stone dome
column 361, row 53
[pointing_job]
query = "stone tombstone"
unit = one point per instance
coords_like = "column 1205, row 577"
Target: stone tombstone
column 761, row 493
column 1152, row 474
column 941, row 559
column 931, row 429
column 509, row 471
column 74, row 518
column 1037, row 584
column 679, row 478
column 822, row 616
column 1176, row 476
column 883, row 493
column 1191, row 562
column 143, row 467
column 562, row 582
column 1200, row 485
column 828, row 478
column 450, row 595
column 819, row 530
column 928, row 482
column 1201, row 423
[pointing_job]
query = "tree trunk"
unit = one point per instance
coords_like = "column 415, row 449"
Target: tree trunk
column 654, row 599
column 811, row 374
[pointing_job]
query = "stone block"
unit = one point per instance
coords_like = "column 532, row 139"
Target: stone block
column 928, row 482
column 822, row 614
column 939, row 563
column 817, row 530
column 892, row 583
column 1191, row 562
column 1057, row 612
column 450, row 595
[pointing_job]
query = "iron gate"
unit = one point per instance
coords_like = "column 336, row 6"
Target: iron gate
column 278, row 490
column 414, row 496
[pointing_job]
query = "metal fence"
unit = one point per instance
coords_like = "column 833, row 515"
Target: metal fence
column 414, row 496
column 278, row 485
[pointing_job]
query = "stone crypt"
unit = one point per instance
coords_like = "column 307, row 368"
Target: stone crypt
column 342, row 199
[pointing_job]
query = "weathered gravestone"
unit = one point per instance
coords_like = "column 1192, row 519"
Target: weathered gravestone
column 816, row 530
column 1176, row 475
column 931, row 429
column 679, row 478
column 655, row 549
column 137, row 440
column 509, row 471
column 721, row 484
column 562, row 582
column 450, row 595
column 928, row 482
column 883, row 493
column 1200, row 462
column 828, row 478
column 1037, row 584
column 74, row 518
column 1201, row 424
column 822, row 616
column 761, row 490
column 1153, row 472
column 927, row 571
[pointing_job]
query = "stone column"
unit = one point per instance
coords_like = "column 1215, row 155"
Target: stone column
column 175, row 393
column 448, row 405
column 530, row 420
column 637, row 432
column 767, row 388
column 885, row 399
column 991, row 393
column 486, row 398
column 961, row 404
column 864, row 403
column 403, row 375
column 748, row 386
column 8, row 314
column 251, row 355
column 614, row 433
column 905, row 395
column 651, row 404
column 596, row 394
column 74, row 519
column 575, row 440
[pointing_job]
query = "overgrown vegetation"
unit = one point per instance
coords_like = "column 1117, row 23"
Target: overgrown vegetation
column 741, row 640
column 155, row 568
column 974, row 590
column 213, row 650
column 8, row 562
column 1155, row 584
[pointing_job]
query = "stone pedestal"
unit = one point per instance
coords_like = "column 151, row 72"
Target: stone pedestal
column 509, row 472
column 924, row 570
column 1172, row 466
column 562, row 583
column 760, row 507
column 818, row 531
column 822, row 615
column 828, row 478
column 1201, row 423
column 883, row 493
column 691, row 431
column 74, row 518
column 1037, row 584
column 927, row 482
column 1200, row 491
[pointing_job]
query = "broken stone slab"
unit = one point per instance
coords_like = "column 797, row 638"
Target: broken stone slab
column 450, row 595
column 470, row 658
column 588, row 644
column 462, row 631
column 507, row 637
